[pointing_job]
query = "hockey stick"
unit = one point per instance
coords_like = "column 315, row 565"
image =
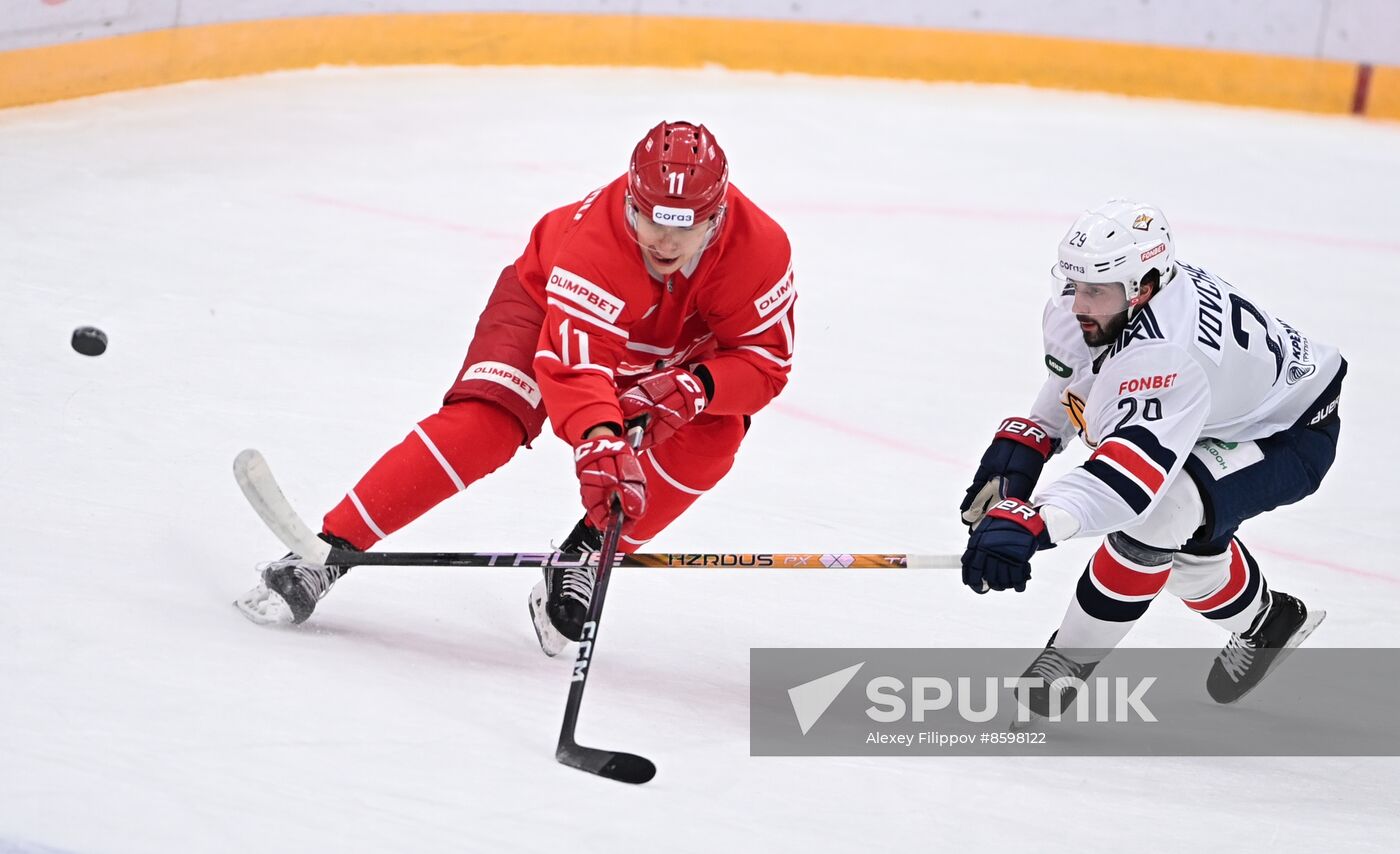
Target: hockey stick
column 267, row 500
column 260, row 488
column 615, row 765
column 651, row 560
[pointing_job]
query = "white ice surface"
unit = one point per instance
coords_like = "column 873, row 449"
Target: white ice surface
column 295, row 262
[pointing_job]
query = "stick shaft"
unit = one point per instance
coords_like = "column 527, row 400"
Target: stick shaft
column 265, row 496
column 612, row 535
column 652, row 560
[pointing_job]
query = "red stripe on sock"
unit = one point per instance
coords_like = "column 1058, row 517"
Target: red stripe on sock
column 1239, row 574
column 1123, row 579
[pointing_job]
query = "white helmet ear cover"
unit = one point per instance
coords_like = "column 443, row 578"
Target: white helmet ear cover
column 1120, row 241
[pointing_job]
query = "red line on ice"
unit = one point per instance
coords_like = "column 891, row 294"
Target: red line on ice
column 870, row 435
column 1333, row 565
column 410, row 217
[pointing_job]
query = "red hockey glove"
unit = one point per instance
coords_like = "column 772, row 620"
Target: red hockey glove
column 671, row 397
column 607, row 467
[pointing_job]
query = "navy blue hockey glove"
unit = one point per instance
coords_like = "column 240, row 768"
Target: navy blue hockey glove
column 1009, row 468
column 999, row 550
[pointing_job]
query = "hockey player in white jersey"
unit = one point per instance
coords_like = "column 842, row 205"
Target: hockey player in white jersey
column 1202, row 411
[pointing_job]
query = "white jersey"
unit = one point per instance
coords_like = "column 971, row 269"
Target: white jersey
column 1198, row 361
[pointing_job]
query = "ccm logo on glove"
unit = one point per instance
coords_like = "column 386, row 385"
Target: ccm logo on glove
column 608, row 470
column 670, row 399
column 599, row 445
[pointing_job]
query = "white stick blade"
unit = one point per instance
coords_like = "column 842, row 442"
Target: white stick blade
column 261, row 489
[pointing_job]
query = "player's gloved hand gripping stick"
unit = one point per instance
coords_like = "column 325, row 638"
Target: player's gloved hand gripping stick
column 615, row 765
column 998, row 555
column 670, row 399
column 609, row 474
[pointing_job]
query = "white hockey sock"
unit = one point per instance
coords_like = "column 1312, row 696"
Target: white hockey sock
column 1121, row 580
column 1227, row 589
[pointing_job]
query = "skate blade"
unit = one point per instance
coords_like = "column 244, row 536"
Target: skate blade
column 1310, row 623
column 551, row 642
column 1313, row 620
column 264, row 607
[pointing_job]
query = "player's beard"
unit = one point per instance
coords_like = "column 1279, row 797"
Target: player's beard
column 1104, row 332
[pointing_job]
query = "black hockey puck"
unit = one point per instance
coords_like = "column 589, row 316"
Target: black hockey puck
column 89, row 340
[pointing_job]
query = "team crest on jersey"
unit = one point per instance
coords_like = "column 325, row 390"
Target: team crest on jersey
column 1301, row 365
column 1074, row 407
column 1143, row 222
column 1298, row 371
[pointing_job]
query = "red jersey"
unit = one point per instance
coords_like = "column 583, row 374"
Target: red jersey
column 608, row 318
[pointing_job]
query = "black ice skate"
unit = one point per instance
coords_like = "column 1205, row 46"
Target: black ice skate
column 1247, row 658
column 1050, row 666
column 559, row 603
column 291, row 587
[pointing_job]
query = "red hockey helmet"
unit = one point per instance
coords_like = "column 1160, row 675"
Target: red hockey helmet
column 678, row 175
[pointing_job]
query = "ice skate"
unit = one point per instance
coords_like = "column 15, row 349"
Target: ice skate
column 559, row 602
column 1247, row 658
column 290, row 588
column 1050, row 667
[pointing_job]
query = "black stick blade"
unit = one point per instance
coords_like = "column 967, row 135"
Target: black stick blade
column 624, row 767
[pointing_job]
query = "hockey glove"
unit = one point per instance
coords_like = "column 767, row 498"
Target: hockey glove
column 999, row 550
column 671, row 397
column 1009, row 468
column 607, row 467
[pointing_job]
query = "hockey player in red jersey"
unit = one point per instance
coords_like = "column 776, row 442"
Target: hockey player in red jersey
column 665, row 293
column 1202, row 411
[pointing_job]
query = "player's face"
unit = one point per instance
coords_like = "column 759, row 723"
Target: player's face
column 1102, row 311
column 668, row 248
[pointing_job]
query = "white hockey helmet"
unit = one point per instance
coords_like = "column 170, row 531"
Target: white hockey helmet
column 1118, row 242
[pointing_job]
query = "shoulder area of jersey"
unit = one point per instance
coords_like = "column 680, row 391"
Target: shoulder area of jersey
column 1148, row 332
column 751, row 209
column 609, row 198
column 1176, row 310
column 746, row 222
